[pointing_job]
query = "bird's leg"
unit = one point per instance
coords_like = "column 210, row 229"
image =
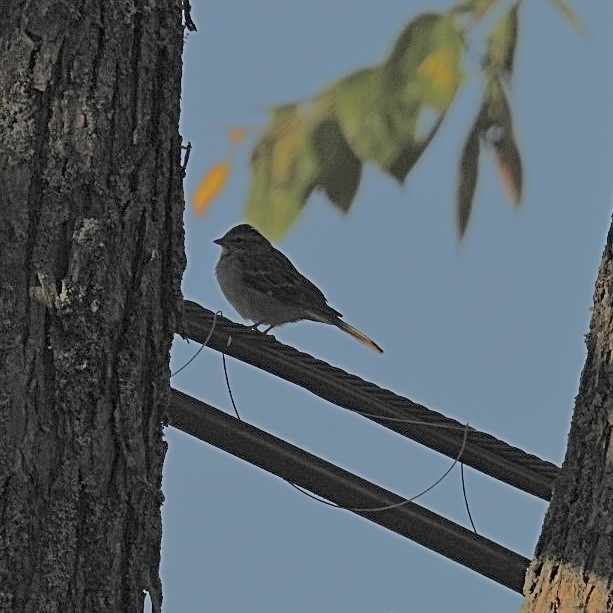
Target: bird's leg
column 268, row 329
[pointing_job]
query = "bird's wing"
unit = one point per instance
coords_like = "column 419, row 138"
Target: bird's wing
column 276, row 276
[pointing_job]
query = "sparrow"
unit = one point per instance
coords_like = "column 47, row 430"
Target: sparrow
column 266, row 288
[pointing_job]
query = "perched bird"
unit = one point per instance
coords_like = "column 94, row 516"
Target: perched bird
column 265, row 287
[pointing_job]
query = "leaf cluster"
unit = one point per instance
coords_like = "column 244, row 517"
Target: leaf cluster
column 387, row 115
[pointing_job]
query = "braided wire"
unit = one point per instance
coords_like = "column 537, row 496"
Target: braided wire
column 482, row 451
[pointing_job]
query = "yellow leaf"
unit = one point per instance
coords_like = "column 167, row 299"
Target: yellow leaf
column 210, row 185
column 440, row 68
column 286, row 150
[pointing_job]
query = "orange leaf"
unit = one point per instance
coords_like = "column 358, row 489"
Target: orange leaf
column 508, row 169
column 236, row 134
column 210, row 185
column 571, row 17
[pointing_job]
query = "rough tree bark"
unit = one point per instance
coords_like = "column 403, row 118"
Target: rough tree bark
column 573, row 566
column 91, row 255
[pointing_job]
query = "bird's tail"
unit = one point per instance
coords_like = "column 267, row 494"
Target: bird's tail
column 360, row 336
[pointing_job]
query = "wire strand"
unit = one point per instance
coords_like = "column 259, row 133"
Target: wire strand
column 369, row 509
column 470, row 517
column 397, row 504
column 202, row 346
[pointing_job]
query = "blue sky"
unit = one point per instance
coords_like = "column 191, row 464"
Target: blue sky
column 489, row 331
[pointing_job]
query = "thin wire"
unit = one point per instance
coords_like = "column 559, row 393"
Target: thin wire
column 397, row 504
column 206, row 341
column 369, row 509
column 357, row 509
column 536, row 479
column 225, row 372
column 470, row 517
column 417, row 422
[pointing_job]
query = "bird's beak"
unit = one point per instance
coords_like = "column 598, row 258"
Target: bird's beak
column 218, row 241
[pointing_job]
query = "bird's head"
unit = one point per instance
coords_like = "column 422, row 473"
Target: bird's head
column 242, row 237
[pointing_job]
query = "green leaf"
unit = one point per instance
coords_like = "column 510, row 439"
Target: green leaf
column 366, row 118
column 284, row 172
column 468, row 173
column 377, row 127
column 502, row 42
column 412, row 46
column 386, row 114
column 274, row 220
column 424, row 68
column 340, row 169
column 302, row 149
column 493, row 126
column 421, row 78
column 389, row 114
column 501, row 139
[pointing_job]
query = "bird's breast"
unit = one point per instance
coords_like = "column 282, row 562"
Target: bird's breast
column 258, row 304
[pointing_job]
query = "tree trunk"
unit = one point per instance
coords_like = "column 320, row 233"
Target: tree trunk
column 91, row 255
column 572, row 570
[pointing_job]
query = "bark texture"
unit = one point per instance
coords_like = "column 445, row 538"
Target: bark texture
column 573, row 566
column 91, row 255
